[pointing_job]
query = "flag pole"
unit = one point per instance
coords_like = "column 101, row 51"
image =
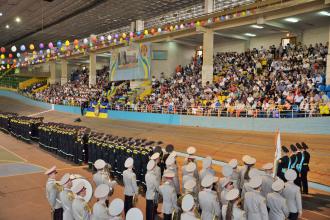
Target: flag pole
column 277, row 154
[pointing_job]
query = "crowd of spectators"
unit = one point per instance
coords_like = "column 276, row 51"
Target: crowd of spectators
column 275, row 82
column 77, row 90
column 256, row 83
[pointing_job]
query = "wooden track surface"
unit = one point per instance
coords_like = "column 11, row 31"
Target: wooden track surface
column 220, row 144
column 23, row 196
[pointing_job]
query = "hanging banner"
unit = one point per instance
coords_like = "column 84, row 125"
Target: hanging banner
column 131, row 63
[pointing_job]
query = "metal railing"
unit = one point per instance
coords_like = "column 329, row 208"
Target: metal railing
column 277, row 112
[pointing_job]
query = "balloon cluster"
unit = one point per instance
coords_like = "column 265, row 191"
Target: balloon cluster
column 54, row 50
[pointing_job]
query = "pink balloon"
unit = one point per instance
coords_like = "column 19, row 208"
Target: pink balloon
column 50, row 45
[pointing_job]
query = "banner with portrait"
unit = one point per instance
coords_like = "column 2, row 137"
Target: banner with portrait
column 131, row 62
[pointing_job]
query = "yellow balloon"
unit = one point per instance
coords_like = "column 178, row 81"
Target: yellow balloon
column 67, row 43
column 124, row 35
column 171, row 28
column 76, row 46
column 62, row 49
column 31, row 47
column 198, row 23
column 146, row 32
column 2, row 56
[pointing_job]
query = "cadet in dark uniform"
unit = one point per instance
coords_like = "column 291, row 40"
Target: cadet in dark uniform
column 293, row 162
column 305, row 168
column 283, row 163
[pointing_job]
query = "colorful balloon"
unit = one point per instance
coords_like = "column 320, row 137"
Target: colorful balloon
column 85, row 41
column 22, row 48
column 18, row 55
column 13, row 49
column 124, row 35
column 102, row 38
column 2, row 56
column 10, row 55
column 131, row 34
column 59, row 44
column 3, row 50
column 41, row 46
column 109, row 37
column 50, row 45
column 31, row 47
column 67, row 43
column 146, row 32
column 159, row 30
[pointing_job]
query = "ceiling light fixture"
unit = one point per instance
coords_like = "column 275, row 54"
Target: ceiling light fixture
column 257, row 26
column 7, row 26
column 292, row 20
column 18, row 19
column 250, row 35
column 325, row 13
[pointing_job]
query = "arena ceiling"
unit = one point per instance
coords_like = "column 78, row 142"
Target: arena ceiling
column 51, row 20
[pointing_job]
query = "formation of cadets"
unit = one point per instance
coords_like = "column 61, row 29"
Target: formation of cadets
column 143, row 167
column 25, row 128
column 243, row 192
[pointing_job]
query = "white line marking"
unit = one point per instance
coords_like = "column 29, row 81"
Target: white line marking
column 13, row 153
column 317, row 213
column 39, row 113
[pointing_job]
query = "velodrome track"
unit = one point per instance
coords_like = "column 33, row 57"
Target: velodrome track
column 22, row 196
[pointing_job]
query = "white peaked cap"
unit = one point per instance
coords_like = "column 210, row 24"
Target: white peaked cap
column 191, row 150
column 99, row 164
column 290, row 175
column 129, row 162
column 65, row 178
column 187, row 203
column 134, row 214
column 116, row 207
column 232, row 194
column 102, row 191
column 151, row 164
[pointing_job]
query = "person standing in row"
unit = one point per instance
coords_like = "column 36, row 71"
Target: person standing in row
column 305, row 168
column 80, row 208
column 152, row 189
column 278, row 209
column 232, row 211
column 172, row 166
column 292, row 195
column 283, row 163
column 169, row 195
column 116, row 208
column 66, row 197
column 100, row 210
column 53, row 190
column 244, row 172
column 130, row 185
column 207, row 168
column 188, row 206
column 208, row 199
column 254, row 203
column 267, row 179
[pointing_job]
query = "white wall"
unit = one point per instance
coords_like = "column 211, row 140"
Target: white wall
column 178, row 54
column 316, row 35
column 230, row 46
column 309, row 36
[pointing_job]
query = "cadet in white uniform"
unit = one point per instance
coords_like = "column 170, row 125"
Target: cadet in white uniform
column 278, row 209
column 227, row 185
column 66, row 197
column 134, row 214
column 231, row 208
column 80, row 208
column 244, row 172
column 254, row 203
column 235, row 175
column 227, row 171
column 208, row 199
column 171, row 165
column 267, row 179
column 100, row 210
column 102, row 177
column 190, row 169
column 188, row 205
column 130, row 186
column 152, row 189
column 191, row 158
column 169, row 195
column 116, row 208
column 157, row 169
column 253, row 172
column 292, row 195
column 53, row 194
column 207, row 168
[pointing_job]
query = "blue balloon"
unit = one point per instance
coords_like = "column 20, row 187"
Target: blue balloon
column 138, row 33
column 59, row 44
column 18, row 55
column 22, row 48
